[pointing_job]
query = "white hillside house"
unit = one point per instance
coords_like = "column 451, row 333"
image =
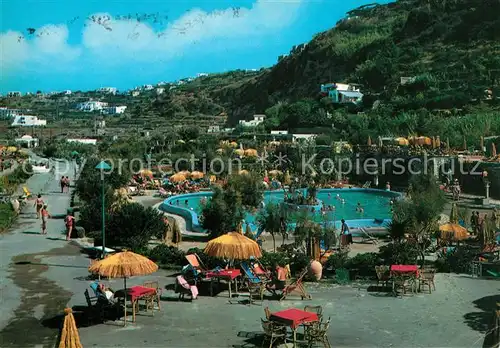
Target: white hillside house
column 28, row 121
column 257, row 119
column 114, row 110
column 108, row 90
column 90, row 106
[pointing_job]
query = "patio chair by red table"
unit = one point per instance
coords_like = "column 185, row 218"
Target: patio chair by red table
column 296, row 286
column 293, row 318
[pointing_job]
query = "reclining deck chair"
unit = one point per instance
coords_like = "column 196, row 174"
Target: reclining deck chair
column 197, row 265
column 296, row 286
column 256, row 285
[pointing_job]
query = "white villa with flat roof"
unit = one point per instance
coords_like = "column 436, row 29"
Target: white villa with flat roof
column 257, row 119
column 28, row 121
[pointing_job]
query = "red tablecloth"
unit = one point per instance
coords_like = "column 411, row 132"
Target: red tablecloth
column 137, row 291
column 404, row 268
column 294, row 317
column 225, row 273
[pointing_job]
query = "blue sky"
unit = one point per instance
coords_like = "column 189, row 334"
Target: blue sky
column 162, row 41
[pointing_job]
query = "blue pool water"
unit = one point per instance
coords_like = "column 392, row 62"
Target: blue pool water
column 376, row 205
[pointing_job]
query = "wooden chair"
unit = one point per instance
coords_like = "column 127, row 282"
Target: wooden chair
column 272, row 332
column 296, row 286
column 383, row 275
column 319, row 333
column 315, row 309
column 403, row 282
column 149, row 300
column 426, row 278
column 101, row 308
column 256, row 286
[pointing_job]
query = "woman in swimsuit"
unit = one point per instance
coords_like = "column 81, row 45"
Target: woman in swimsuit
column 45, row 216
column 69, row 225
column 39, row 205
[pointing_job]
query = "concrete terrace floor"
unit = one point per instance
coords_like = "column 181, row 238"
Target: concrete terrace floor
column 456, row 315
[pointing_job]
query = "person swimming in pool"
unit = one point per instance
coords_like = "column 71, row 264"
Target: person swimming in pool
column 359, row 208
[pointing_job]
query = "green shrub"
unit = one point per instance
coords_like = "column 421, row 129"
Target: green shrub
column 399, row 253
column 167, row 255
column 270, row 260
column 337, row 260
column 298, row 262
column 458, row 261
column 133, row 226
column 364, row 263
column 7, row 216
column 19, row 176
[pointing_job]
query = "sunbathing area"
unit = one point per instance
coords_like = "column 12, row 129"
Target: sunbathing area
column 358, row 314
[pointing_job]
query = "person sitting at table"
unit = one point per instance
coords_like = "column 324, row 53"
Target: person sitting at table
column 278, row 279
column 105, row 293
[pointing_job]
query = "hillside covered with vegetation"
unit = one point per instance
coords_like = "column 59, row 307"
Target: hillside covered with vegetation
column 448, row 51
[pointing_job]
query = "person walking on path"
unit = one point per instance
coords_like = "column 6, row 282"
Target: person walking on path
column 62, row 182
column 69, row 220
column 66, row 184
column 38, row 205
column 45, row 216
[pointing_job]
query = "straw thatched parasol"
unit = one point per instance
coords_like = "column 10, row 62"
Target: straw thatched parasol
column 453, row 231
column 275, row 173
column 243, row 172
column 186, row 173
column 146, row 172
column 69, row 333
column 233, row 144
column 239, row 152
column 402, row 141
column 287, row 180
column 369, row 141
column 251, row 153
column 233, row 246
column 177, row 178
column 123, row 265
column 197, row 175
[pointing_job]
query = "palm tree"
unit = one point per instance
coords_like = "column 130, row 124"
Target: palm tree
column 270, row 221
column 398, row 228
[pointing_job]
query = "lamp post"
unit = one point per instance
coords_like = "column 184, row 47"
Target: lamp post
column 102, row 166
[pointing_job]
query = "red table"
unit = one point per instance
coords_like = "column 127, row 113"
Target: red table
column 404, row 269
column 227, row 274
column 294, row 317
column 135, row 293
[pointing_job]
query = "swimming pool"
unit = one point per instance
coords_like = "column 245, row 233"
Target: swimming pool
column 376, row 205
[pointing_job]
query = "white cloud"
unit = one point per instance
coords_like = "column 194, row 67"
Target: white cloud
column 47, row 46
column 121, row 40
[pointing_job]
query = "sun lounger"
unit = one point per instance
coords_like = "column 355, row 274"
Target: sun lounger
column 182, row 287
column 256, row 285
column 296, row 286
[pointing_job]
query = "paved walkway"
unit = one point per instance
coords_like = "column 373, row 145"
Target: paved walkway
column 26, row 295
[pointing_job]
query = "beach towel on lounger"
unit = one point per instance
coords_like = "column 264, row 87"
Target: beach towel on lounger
column 183, row 282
